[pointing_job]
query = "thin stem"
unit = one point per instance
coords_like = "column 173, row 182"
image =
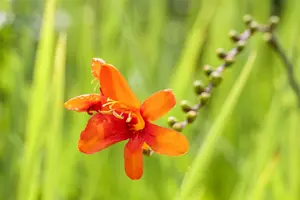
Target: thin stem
column 288, row 65
column 229, row 58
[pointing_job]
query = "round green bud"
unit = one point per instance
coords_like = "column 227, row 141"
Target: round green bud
column 207, row 69
column 247, row 19
column 199, row 86
column 234, row 36
column 185, row 106
column 204, row 97
column 274, row 20
column 215, row 78
column 172, row 120
column 221, row 53
column 147, row 152
column 177, row 127
column 241, row 45
column 229, row 61
column 253, row 26
column 191, row 116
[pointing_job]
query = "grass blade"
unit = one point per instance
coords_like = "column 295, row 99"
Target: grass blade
column 37, row 110
column 54, row 137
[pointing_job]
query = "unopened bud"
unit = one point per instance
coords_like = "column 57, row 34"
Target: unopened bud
column 241, row 45
column 221, row 53
column 185, row 106
column 204, row 97
column 199, row 86
column 191, row 116
column 215, row 78
column 207, row 69
column 248, row 19
column 147, row 152
column 229, row 61
column 253, row 26
column 172, row 120
column 234, row 36
column 274, row 20
column 177, row 126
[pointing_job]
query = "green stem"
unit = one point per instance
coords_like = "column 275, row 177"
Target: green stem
column 200, row 165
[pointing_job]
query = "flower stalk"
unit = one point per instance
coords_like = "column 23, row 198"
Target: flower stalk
column 215, row 75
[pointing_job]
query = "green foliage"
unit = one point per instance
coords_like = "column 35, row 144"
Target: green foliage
column 243, row 145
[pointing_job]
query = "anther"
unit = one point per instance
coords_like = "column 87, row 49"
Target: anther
column 117, row 115
column 129, row 118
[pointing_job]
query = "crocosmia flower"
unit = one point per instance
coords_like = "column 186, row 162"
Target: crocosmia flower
column 117, row 115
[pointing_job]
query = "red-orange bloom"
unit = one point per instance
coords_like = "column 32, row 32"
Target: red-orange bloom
column 120, row 116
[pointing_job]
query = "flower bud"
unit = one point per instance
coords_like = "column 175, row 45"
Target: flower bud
column 147, row 152
column 253, row 26
column 274, row 20
column 248, row 19
column 172, row 120
column 199, row 86
column 185, row 106
column 221, row 53
column 215, row 78
column 229, row 61
column 204, row 97
column 234, row 36
column 177, row 126
column 241, row 45
column 191, row 116
column 207, row 69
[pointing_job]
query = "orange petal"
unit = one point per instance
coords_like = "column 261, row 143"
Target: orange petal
column 114, row 86
column 84, row 103
column 165, row 141
column 96, row 66
column 133, row 157
column 101, row 132
column 158, row 104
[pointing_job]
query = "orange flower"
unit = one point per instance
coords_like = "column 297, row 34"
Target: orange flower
column 120, row 116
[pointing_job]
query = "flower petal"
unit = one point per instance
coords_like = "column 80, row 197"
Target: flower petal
column 96, row 66
column 101, row 132
column 114, row 86
column 85, row 103
column 133, row 157
column 165, row 141
column 158, row 104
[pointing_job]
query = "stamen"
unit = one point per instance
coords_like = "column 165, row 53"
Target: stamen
column 110, row 103
column 109, row 99
column 117, row 115
column 92, row 82
column 106, row 112
column 97, row 85
column 129, row 118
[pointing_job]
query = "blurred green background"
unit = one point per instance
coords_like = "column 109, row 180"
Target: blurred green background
column 243, row 145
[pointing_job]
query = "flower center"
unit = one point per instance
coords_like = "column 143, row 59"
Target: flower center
column 122, row 111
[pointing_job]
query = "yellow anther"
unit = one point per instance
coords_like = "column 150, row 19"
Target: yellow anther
column 117, row 115
column 106, row 112
column 109, row 104
column 129, row 118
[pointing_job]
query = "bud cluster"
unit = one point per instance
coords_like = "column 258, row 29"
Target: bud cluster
column 203, row 91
